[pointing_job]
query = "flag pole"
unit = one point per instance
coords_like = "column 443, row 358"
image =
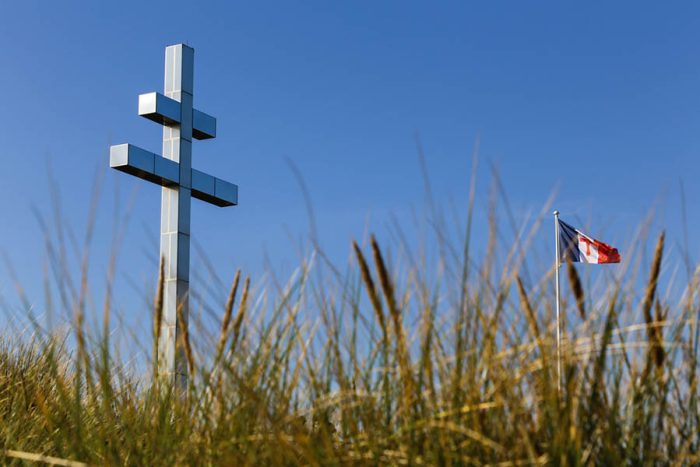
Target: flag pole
column 556, row 275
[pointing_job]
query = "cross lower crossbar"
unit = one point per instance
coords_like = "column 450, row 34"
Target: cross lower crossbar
column 166, row 111
column 161, row 171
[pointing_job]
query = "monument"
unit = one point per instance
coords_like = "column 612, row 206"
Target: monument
column 180, row 183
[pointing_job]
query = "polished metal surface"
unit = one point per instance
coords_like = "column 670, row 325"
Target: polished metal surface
column 155, row 106
column 204, row 126
column 213, row 190
column 161, row 109
column 180, row 183
column 130, row 159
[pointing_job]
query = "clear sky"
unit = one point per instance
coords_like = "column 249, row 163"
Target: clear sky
column 601, row 99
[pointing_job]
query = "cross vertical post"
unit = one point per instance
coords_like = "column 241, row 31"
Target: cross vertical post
column 175, row 216
column 180, row 183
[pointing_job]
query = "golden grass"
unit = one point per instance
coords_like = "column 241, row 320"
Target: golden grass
column 384, row 364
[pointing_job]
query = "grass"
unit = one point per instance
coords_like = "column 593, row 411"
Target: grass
column 397, row 360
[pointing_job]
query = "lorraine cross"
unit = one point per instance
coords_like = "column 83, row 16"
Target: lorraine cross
column 180, row 182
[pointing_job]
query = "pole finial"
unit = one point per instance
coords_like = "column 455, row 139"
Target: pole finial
column 556, row 213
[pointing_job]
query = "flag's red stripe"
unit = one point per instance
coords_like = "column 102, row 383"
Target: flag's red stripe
column 606, row 253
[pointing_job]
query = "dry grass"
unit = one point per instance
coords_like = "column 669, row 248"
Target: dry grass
column 380, row 365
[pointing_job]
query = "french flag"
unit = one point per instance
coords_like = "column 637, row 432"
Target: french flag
column 580, row 248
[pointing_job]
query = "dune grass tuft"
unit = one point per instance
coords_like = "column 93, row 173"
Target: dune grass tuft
column 403, row 360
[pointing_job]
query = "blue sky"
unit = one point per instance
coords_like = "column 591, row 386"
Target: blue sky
column 601, row 100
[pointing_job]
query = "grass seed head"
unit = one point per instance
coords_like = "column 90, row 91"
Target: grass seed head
column 576, row 288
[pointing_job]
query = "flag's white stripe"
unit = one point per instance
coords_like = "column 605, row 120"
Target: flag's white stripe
column 588, row 250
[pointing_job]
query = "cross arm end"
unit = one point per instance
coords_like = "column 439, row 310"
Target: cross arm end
column 158, row 108
column 213, row 190
column 144, row 164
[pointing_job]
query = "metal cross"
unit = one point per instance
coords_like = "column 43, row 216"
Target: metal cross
column 180, row 182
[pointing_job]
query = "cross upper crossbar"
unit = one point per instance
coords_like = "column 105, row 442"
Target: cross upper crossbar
column 166, row 111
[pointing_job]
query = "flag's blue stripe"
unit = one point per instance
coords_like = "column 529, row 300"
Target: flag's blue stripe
column 568, row 243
